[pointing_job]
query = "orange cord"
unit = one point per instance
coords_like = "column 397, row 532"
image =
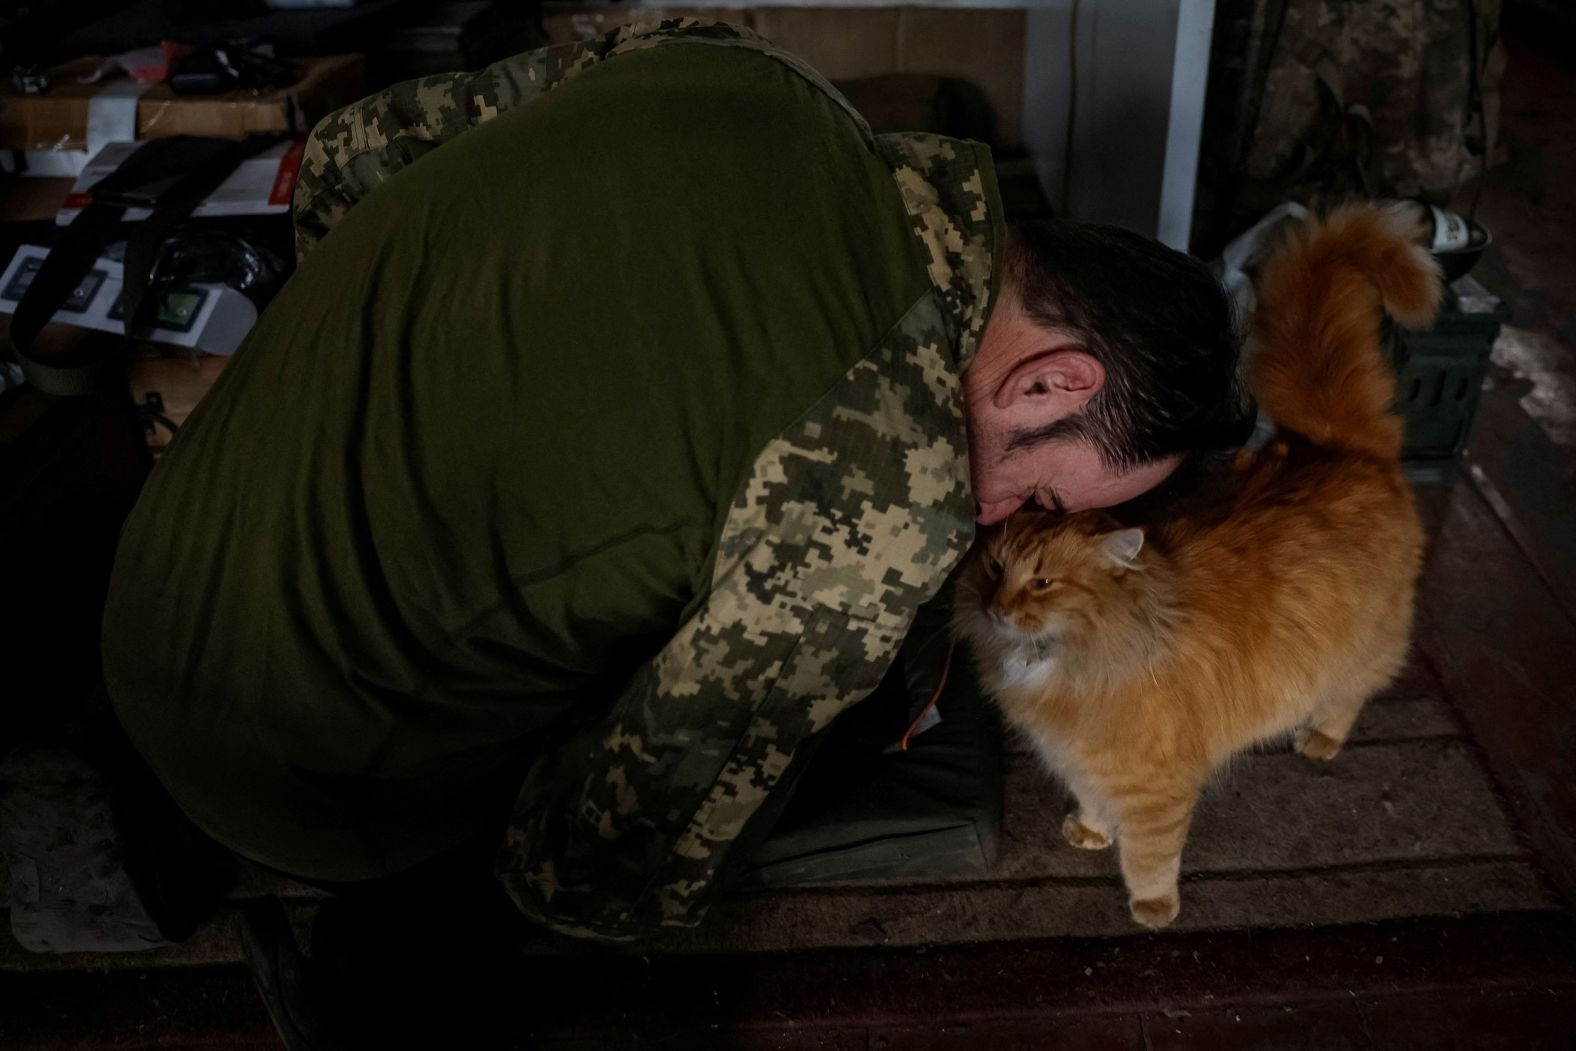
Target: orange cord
column 946, row 668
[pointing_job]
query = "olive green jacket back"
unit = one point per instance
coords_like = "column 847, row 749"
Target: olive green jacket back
column 584, row 470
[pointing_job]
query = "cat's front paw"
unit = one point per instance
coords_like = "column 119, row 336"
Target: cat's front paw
column 1316, row 745
column 1082, row 836
column 1156, row 912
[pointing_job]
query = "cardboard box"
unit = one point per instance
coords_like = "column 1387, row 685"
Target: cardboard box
column 902, row 102
column 568, row 27
column 983, row 47
column 28, row 200
column 58, row 119
column 843, row 43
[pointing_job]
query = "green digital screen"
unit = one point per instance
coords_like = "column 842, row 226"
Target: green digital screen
column 177, row 310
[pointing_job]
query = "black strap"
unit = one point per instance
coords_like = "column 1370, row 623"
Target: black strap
column 171, row 176
column 61, row 271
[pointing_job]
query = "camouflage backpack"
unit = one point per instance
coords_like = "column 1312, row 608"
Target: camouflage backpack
column 1318, row 100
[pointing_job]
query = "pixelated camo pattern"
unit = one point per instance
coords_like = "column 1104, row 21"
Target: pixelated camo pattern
column 943, row 186
column 1404, row 68
column 848, row 522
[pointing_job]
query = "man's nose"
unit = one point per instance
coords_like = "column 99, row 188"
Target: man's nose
column 990, row 514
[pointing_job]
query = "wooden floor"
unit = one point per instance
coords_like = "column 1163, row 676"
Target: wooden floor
column 1409, row 894
column 1406, row 822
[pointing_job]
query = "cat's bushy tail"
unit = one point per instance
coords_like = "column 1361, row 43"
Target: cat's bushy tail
column 1320, row 370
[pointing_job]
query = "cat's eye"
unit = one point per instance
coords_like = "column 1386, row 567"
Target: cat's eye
column 1043, row 584
column 992, row 567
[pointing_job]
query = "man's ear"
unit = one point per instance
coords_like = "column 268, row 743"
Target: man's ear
column 1063, row 378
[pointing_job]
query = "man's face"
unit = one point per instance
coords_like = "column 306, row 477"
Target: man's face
column 1025, row 378
column 1061, row 474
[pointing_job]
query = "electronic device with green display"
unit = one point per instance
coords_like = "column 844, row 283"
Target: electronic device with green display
column 209, row 318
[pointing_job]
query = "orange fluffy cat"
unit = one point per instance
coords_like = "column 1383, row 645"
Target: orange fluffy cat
column 1140, row 660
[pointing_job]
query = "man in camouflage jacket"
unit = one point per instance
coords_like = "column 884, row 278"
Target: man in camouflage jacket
column 590, row 467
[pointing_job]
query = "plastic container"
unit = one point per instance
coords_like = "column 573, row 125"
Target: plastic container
column 1440, row 376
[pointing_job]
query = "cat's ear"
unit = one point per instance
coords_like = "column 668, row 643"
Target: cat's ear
column 1122, row 547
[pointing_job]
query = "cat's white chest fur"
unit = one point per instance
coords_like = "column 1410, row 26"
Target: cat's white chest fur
column 1026, row 666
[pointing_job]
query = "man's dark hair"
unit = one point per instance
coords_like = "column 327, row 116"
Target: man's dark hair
column 1158, row 322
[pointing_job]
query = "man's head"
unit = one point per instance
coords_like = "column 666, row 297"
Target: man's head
column 1107, row 360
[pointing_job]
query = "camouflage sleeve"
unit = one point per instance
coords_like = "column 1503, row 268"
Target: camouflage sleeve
column 355, row 149
column 847, row 523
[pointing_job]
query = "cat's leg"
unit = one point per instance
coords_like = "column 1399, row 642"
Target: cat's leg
column 1324, row 738
column 1152, row 828
column 1088, row 826
column 1335, row 715
column 1081, row 833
